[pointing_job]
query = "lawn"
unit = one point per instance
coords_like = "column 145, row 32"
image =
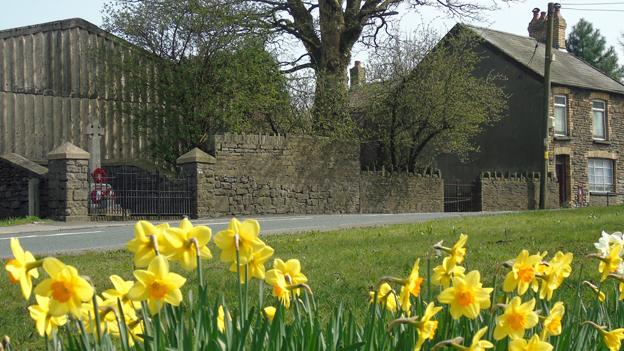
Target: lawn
column 17, row 221
column 342, row 265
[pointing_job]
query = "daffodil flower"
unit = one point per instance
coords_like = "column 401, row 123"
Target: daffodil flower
column 599, row 294
column 477, row 343
column 179, row 244
column 443, row 273
column 466, row 296
column 552, row 323
column 157, row 285
column 612, row 339
column 66, row 289
column 427, row 327
column 517, row 318
column 523, row 273
column 280, row 288
column 241, row 237
column 147, row 238
column 606, row 241
column 22, row 268
column 386, row 296
column 120, row 291
column 269, row 312
column 457, row 252
column 46, row 323
column 553, row 273
column 255, row 267
column 411, row 287
column 221, row 319
column 291, row 270
column 533, row 344
column 611, row 262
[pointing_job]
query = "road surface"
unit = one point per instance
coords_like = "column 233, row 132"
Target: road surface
column 51, row 239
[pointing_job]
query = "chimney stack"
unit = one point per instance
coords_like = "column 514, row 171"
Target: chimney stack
column 358, row 74
column 538, row 25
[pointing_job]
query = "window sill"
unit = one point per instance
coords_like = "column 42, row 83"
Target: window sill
column 601, row 193
column 562, row 138
column 601, row 142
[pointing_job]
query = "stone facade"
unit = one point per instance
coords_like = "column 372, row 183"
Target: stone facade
column 23, row 187
column 515, row 192
column 68, row 173
column 579, row 146
column 261, row 174
column 198, row 166
column 382, row 192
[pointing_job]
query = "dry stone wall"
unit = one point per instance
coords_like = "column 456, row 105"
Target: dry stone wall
column 261, row 174
column 515, row 192
column 382, row 192
column 16, row 172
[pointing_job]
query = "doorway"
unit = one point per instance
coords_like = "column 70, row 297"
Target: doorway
column 562, row 169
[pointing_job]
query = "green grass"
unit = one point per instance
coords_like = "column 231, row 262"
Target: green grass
column 342, row 265
column 18, row 221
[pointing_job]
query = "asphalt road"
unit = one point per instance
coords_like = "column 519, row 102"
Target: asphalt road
column 102, row 236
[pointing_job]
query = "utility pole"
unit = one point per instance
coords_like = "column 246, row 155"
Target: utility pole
column 550, row 24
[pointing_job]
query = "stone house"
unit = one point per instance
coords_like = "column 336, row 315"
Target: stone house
column 587, row 118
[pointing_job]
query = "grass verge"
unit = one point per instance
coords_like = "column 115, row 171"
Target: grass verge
column 18, row 221
column 341, row 265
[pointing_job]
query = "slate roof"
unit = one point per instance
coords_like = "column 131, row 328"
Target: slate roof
column 566, row 69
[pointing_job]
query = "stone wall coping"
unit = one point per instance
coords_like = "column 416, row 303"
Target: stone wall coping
column 196, row 156
column 514, row 176
column 68, row 151
column 434, row 173
column 24, row 163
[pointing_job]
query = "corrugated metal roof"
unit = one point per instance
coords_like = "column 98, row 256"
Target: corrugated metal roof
column 566, row 69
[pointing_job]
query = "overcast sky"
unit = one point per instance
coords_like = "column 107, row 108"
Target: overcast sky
column 512, row 18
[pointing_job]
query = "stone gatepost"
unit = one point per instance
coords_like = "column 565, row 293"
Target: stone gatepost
column 198, row 166
column 68, row 183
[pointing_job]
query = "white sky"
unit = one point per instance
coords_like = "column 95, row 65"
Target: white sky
column 512, row 18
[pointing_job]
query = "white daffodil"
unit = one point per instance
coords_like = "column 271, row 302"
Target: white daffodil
column 606, row 241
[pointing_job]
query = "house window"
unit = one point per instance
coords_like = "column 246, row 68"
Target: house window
column 600, row 121
column 561, row 115
column 600, row 175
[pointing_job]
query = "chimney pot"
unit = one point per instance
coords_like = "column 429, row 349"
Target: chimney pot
column 536, row 12
column 542, row 16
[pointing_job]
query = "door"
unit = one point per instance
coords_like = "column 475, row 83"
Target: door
column 562, row 169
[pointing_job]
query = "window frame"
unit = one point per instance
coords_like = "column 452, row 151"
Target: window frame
column 565, row 111
column 592, row 175
column 604, row 120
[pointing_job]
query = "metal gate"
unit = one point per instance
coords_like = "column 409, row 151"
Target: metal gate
column 128, row 192
column 462, row 197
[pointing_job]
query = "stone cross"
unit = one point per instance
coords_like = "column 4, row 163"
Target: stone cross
column 95, row 132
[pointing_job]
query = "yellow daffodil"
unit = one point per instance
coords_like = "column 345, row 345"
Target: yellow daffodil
column 385, row 297
column 443, row 273
column 612, row 339
column 477, row 343
column 291, row 270
column 552, row 323
column 179, row 244
column 157, row 285
column 611, row 262
column 120, row 291
column 22, row 268
column 66, row 289
column 523, row 273
column 143, row 245
column 466, row 296
column 533, row 344
column 269, row 312
column 46, row 323
column 281, row 289
column 411, row 287
column 221, row 319
column 457, row 252
column 427, row 327
column 255, row 267
column 599, row 294
column 241, row 237
column 553, row 274
column 517, row 318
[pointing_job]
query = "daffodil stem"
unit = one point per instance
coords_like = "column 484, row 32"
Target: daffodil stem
column 240, row 288
column 96, row 314
column 200, row 274
column 154, row 242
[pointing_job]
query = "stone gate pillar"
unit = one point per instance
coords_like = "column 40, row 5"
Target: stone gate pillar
column 68, row 183
column 198, row 166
